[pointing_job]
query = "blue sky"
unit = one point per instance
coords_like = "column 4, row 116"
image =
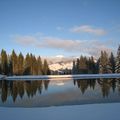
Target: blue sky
column 60, row 27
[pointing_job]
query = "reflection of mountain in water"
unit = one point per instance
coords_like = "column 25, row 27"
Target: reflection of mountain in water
column 19, row 88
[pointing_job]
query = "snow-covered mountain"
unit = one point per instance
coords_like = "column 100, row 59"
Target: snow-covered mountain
column 60, row 62
column 60, row 66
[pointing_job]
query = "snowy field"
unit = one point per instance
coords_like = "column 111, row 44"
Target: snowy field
column 109, row 111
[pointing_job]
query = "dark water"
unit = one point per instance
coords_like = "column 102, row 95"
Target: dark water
column 44, row 93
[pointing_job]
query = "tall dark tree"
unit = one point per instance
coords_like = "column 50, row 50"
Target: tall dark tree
column 39, row 65
column 104, row 65
column 20, row 64
column 74, row 69
column 34, row 66
column 4, row 62
column 14, row 62
column 10, row 66
column 112, row 62
column 83, row 65
column 46, row 70
column 77, row 66
column 97, row 65
column 27, row 68
column 91, row 65
column 117, row 66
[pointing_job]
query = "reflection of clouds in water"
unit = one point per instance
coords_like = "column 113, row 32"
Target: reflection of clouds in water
column 60, row 84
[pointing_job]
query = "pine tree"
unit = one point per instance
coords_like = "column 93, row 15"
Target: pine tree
column 74, row 70
column 39, row 65
column 4, row 62
column 14, row 63
column 83, row 65
column 34, row 66
column 112, row 62
column 77, row 66
column 27, row 68
column 20, row 64
column 104, row 65
column 46, row 70
column 91, row 65
column 10, row 66
column 117, row 65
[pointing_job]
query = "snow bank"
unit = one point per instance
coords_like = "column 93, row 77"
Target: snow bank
column 54, row 77
column 83, row 112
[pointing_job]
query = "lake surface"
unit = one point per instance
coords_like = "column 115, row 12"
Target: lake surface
column 45, row 93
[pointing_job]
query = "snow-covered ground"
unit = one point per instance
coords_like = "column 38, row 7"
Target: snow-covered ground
column 56, row 77
column 109, row 111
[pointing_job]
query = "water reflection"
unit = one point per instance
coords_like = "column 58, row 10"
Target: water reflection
column 105, row 85
column 30, row 88
column 18, row 88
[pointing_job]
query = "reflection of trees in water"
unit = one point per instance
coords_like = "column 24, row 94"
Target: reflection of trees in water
column 46, row 83
column 18, row 88
column 118, row 84
column 105, row 85
column 4, row 91
column 84, row 84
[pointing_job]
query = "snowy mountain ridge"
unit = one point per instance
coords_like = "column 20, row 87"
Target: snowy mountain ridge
column 60, row 62
column 60, row 66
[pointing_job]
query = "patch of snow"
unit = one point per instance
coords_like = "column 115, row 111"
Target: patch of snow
column 59, row 56
column 108, row 111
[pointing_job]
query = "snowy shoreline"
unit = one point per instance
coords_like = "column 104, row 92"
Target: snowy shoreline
column 107, row 111
column 55, row 77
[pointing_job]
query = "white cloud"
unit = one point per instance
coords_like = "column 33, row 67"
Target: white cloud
column 88, row 29
column 25, row 40
column 57, row 43
column 90, row 47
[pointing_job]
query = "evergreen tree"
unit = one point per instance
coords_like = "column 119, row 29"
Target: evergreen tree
column 10, row 66
column 112, row 62
column 74, row 70
column 34, row 66
column 14, row 63
column 104, row 65
column 83, row 65
column 97, row 66
column 20, row 64
column 77, row 66
column 117, row 66
column 27, row 68
column 39, row 65
column 4, row 62
column 46, row 70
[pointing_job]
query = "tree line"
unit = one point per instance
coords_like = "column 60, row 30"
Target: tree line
column 105, row 64
column 14, row 64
